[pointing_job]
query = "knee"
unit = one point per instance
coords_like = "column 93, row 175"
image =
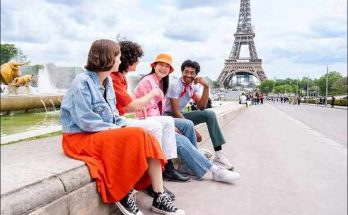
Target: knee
column 168, row 120
column 209, row 114
column 155, row 126
column 189, row 123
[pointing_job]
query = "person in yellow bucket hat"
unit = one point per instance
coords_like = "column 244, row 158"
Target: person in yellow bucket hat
column 163, row 58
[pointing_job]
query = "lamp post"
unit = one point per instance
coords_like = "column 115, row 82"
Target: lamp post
column 307, row 87
column 297, row 87
column 327, row 85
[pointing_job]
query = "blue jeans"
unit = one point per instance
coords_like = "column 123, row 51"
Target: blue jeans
column 187, row 148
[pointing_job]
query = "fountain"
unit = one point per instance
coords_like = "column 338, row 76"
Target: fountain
column 17, row 122
column 18, row 95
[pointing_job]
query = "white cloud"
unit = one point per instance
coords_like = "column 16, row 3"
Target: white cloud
column 293, row 38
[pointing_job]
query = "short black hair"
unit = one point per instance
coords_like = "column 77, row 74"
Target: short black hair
column 191, row 63
column 130, row 52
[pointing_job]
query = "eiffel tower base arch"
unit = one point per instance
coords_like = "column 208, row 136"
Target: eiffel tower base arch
column 233, row 68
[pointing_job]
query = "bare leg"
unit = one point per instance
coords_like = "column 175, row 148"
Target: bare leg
column 155, row 172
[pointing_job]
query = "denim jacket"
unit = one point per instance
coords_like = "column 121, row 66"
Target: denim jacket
column 84, row 108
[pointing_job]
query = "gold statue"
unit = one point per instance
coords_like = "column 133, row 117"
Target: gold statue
column 10, row 71
column 22, row 81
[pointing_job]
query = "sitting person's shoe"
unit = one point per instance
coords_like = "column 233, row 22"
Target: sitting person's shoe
column 226, row 176
column 173, row 175
column 207, row 154
column 221, row 161
column 149, row 190
column 128, row 205
column 163, row 204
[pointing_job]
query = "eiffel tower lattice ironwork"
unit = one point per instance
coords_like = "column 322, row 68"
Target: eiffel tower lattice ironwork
column 244, row 36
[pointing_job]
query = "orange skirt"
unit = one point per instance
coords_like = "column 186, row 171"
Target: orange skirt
column 116, row 158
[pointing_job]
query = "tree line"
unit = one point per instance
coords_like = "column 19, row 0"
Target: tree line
column 337, row 85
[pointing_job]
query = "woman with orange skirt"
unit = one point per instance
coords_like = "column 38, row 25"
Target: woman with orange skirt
column 119, row 158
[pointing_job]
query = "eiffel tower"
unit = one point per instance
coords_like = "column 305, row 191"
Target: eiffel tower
column 235, row 65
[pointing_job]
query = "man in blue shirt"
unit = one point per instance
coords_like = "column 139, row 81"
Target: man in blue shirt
column 180, row 93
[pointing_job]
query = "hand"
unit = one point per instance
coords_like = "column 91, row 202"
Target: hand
column 202, row 81
column 177, row 130
column 198, row 136
column 157, row 93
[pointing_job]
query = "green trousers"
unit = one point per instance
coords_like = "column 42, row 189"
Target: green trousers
column 208, row 117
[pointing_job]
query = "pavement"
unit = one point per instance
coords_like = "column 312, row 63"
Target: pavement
column 326, row 106
column 331, row 122
column 286, row 168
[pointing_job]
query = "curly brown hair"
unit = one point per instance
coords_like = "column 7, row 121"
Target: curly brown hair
column 130, row 52
column 102, row 54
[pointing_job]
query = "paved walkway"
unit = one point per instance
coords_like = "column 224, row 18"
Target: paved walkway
column 298, row 171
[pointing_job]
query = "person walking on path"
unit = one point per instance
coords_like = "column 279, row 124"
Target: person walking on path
column 119, row 158
column 333, row 101
column 194, row 162
column 179, row 94
column 261, row 98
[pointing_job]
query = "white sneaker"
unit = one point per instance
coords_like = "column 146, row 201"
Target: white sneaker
column 221, row 161
column 224, row 175
column 207, row 154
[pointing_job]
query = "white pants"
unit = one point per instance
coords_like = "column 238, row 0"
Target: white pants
column 163, row 128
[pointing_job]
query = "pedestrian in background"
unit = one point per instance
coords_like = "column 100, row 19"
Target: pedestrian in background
column 333, row 101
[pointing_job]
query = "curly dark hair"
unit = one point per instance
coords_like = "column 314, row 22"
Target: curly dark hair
column 130, row 52
column 190, row 63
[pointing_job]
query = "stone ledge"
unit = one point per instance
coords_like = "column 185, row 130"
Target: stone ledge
column 37, row 178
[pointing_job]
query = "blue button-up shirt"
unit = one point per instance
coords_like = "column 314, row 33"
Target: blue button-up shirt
column 84, row 108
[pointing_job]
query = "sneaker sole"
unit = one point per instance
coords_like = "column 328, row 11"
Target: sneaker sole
column 173, row 180
column 227, row 182
column 154, row 209
column 124, row 210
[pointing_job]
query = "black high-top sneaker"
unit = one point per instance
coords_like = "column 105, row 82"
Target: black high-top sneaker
column 128, row 205
column 163, row 204
column 149, row 190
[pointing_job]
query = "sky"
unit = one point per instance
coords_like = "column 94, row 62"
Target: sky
column 294, row 38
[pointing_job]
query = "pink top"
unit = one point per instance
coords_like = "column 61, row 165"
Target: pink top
column 156, row 106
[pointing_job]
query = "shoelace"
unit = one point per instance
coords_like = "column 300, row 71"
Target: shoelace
column 131, row 201
column 222, row 157
column 166, row 201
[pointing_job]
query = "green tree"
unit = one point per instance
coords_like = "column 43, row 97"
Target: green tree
column 267, row 86
column 215, row 84
column 289, row 88
column 333, row 76
column 9, row 51
column 340, row 87
column 279, row 89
